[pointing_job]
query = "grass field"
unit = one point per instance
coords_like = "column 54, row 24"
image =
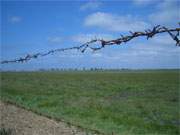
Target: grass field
column 125, row 103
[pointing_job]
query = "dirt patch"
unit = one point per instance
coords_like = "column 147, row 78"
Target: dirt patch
column 23, row 122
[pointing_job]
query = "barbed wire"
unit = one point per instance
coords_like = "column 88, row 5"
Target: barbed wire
column 149, row 33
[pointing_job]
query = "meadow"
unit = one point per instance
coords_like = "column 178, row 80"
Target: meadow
column 118, row 102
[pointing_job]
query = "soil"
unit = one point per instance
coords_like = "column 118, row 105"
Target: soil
column 23, row 122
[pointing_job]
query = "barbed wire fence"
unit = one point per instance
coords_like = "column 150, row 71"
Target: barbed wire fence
column 149, row 33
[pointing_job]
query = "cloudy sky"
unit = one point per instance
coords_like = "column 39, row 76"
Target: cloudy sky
column 29, row 27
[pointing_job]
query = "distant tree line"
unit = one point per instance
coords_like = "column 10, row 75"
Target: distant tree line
column 84, row 69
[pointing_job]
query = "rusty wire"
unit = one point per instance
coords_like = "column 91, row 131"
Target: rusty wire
column 102, row 43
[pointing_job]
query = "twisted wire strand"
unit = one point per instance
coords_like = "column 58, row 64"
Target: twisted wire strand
column 149, row 33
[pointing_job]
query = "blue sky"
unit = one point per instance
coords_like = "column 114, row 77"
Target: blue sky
column 29, row 27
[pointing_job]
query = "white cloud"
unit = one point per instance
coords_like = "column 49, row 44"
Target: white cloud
column 15, row 19
column 113, row 22
column 159, row 46
column 143, row 2
column 156, row 51
column 92, row 5
column 97, row 55
column 55, row 39
column 167, row 13
column 163, row 39
column 143, row 52
column 82, row 38
column 71, row 55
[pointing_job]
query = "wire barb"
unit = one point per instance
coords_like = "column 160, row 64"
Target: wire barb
column 89, row 45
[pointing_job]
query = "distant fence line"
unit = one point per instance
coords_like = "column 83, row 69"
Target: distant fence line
column 149, row 33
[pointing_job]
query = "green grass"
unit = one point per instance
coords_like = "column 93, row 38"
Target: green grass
column 4, row 131
column 125, row 103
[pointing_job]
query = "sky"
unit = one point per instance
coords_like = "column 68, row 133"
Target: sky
column 29, row 27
